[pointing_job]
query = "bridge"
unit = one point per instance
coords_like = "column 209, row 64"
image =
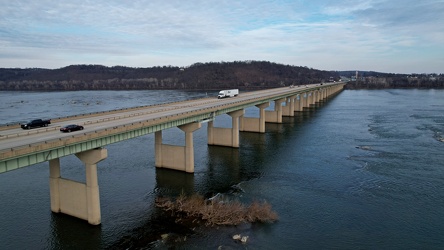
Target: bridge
column 21, row 148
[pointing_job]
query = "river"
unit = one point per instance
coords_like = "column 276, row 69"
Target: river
column 365, row 170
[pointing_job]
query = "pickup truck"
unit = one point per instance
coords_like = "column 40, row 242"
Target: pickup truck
column 35, row 123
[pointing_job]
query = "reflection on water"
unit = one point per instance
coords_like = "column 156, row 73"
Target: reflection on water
column 174, row 183
column 71, row 233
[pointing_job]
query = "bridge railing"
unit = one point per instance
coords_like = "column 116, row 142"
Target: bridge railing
column 234, row 104
column 92, row 114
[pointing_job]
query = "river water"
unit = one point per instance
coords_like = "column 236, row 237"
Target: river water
column 364, row 170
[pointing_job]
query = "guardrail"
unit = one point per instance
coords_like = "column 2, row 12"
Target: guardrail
column 86, row 136
column 92, row 114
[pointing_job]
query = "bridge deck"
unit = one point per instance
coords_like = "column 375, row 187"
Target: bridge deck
column 19, row 148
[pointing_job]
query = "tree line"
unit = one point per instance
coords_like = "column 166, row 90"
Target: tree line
column 199, row 76
column 381, row 81
column 244, row 75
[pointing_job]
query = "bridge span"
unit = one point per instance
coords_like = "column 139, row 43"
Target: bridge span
column 20, row 148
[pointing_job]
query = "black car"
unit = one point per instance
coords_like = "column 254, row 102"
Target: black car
column 72, row 127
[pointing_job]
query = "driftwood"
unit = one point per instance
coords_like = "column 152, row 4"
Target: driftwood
column 216, row 211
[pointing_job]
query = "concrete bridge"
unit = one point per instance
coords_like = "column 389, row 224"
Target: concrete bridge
column 21, row 148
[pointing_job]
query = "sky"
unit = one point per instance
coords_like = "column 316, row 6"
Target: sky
column 394, row 36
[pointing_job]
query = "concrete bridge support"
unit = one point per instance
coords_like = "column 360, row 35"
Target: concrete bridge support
column 308, row 100
column 305, row 100
column 228, row 137
column 317, row 95
column 77, row 199
column 276, row 115
column 288, row 109
column 253, row 124
column 176, row 157
column 331, row 91
column 312, row 99
column 338, row 88
column 298, row 105
column 322, row 95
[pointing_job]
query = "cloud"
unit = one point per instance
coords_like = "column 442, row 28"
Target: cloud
column 340, row 35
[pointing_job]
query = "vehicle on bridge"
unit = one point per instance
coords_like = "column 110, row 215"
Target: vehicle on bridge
column 71, row 127
column 35, row 124
column 228, row 93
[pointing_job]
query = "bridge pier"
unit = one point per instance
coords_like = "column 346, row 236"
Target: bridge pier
column 276, row 115
column 311, row 100
column 315, row 96
column 305, row 101
column 77, row 199
column 324, row 94
column 298, row 106
column 176, row 157
column 288, row 109
column 253, row 124
column 228, row 137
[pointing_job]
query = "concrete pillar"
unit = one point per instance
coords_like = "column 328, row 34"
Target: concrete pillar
column 228, row 137
column 189, row 147
column 176, row 157
column 235, row 126
column 288, row 109
column 75, row 198
column 317, row 96
column 90, row 159
column 310, row 99
column 253, row 124
column 262, row 108
column 298, row 103
column 276, row 115
column 305, row 101
column 278, row 109
column 54, row 177
column 92, row 194
column 292, row 100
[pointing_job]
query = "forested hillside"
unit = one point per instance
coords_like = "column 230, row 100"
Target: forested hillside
column 380, row 80
column 245, row 75
column 199, row 76
column 420, row 81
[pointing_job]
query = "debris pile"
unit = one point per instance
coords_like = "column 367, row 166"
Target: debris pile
column 215, row 211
